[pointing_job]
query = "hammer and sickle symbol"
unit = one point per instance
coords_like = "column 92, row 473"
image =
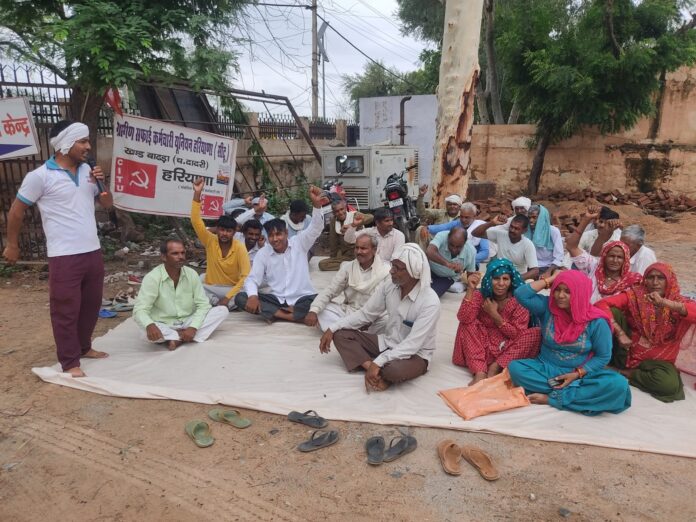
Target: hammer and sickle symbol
column 139, row 178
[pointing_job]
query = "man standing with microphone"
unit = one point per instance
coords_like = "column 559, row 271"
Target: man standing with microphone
column 65, row 189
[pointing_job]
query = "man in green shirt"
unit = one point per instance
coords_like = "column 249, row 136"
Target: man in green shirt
column 172, row 306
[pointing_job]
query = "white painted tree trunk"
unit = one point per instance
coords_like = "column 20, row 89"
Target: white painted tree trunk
column 459, row 71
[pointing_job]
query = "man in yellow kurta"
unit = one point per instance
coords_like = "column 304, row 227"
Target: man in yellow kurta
column 227, row 260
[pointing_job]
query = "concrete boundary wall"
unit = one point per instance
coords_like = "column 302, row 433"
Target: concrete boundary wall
column 627, row 161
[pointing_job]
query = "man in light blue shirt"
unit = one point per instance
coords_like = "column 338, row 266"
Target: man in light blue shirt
column 467, row 220
column 450, row 256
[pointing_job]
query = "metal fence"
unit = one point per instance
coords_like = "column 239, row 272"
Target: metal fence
column 49, row 99
column 278, row 128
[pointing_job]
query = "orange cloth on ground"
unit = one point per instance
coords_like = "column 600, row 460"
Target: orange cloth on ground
column 486, row 396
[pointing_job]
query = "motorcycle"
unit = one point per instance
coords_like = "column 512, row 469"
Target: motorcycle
column 402, row 206
column 332, row 191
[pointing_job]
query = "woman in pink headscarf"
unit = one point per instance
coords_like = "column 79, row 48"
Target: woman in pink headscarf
column 569, row 373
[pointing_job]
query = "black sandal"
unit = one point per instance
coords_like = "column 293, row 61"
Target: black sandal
column 400, row 446
column 309, row 418
column 319, row 439
column 375, row 450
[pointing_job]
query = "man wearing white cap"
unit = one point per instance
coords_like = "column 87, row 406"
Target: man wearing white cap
column 65, row 189
column 257, row 211
column 434, row 216
column 521, row 205
column 405, row 348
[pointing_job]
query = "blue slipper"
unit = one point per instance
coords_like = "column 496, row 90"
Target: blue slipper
column 106, row 314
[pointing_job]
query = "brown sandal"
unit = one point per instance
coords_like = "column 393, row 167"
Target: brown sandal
column 482, row 461
column 450, row 456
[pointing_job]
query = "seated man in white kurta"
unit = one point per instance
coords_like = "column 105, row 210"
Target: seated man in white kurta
column 356, row 281
column 283, row 268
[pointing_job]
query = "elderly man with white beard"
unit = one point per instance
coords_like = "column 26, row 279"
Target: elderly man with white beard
column 356, row 281
column 404, row 349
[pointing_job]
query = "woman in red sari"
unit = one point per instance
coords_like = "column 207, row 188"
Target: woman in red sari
column 649, row 323
column 493, row 326
column 610, row 273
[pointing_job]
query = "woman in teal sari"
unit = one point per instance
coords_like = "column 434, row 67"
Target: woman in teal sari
column 569, row 373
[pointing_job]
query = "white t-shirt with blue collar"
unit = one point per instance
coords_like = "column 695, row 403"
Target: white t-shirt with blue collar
column 66, row 204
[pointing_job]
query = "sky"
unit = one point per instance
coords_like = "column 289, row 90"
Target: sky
column 279, row 59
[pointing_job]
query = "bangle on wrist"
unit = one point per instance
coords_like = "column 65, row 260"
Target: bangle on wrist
column 581, row 372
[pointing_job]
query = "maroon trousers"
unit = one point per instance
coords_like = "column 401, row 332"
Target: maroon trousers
column 75, row 288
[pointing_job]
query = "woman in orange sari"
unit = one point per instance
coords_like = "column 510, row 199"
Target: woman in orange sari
column 650, row 321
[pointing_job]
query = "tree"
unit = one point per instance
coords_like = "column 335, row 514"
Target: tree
column 378, row 80
column 425, row 20
column 591, row 62
column 94, row 44
column 459, row 71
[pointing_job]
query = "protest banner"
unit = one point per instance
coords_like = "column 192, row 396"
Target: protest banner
column 154, row 164
column 17, row 131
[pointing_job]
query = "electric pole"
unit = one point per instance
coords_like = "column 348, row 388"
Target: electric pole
column 315, row 63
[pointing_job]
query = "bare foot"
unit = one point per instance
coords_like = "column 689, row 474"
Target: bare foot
column 76, row 372
column 381, row 385
column 284, row 315
column 538, row 398
column 94, row 354
column 478, row 376
column 494, row 369
column 173, row 345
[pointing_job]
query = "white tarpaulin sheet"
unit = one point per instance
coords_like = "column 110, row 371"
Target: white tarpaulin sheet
column 278, row 368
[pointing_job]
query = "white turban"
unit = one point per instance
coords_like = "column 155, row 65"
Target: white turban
column 68, row 136
column 521, row 202
column 454, row 198
column 416, row 262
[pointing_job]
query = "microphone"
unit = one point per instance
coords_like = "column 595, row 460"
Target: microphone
column 100, row 187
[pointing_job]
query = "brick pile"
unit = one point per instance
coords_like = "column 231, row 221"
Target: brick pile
column 661, row 203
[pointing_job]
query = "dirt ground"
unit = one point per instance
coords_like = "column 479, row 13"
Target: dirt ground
column 71, row 455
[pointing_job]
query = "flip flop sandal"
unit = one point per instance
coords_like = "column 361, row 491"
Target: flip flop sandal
column 319, row 439
column 482, row 461
column 107, row 314
column 400, row 446
column 232, row 417
column 450, row 457
column 199, row 431
column 122, row 307
column 375, row 450
column 309, row 418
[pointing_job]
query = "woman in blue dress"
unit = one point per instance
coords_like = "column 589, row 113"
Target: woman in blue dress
column 569, row 372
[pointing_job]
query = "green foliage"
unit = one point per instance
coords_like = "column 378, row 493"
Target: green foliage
column 100, row 43
column 375, row 81
column 258, row 165
column 591, row 62
column 279, row 200
column 424, row 19
column 7, row 271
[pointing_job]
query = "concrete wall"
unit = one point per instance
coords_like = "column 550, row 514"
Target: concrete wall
column 379, row 123
column 626, row 161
